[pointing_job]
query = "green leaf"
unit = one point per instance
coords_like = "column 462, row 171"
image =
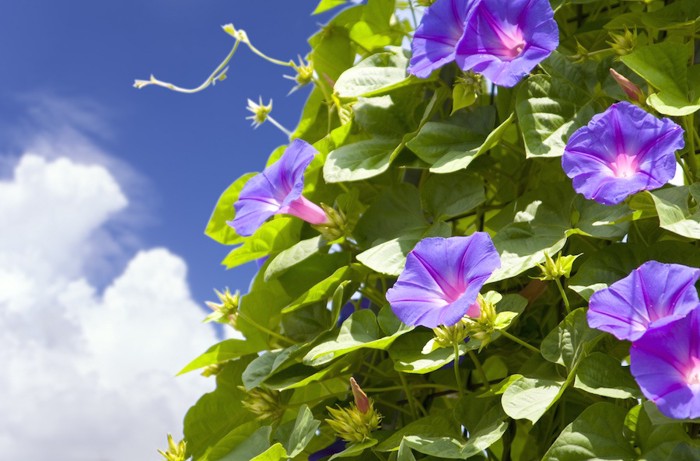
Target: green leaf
column 538, row 228
column 600, row 221
column 304, row 430
column 322, row 290
column 390, row 257
column 405, row 453
column 602, row 374
column 266, row 364
column 430, row 426
column 682, row 14
column 359, row 331
column 665, row 66
column 217, row 413
column 485, row 420
column 257, row 444
column 375, row 75
column 570, row 341
column 361, row 160
column 451, row 146
column 529, row 398
column 325, row 5
column 395, row 210
column 293, row 255
column 675, row 212
column 447, row 196
column 271, row 237
column 408, row 357
column 275, row 453
column 596, row 434
column 217, row 227
column 443, row 447
column 354, row 449
column 549, row 110
column 224, row 351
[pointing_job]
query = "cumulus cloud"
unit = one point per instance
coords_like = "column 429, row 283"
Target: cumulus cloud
column 88, row 374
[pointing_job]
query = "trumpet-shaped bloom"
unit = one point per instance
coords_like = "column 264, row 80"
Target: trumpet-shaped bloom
column 622, row 151
column 436, row 37
column 442, row 279
column 277, row 190
column 653, row 295
column 505, row 40
column 666, row 364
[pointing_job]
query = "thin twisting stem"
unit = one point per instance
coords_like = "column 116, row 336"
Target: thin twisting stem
column 458, row 376
column 218, row 74
column 479, row 369
column 519, row 341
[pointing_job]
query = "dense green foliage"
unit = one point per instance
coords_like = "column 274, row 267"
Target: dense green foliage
column 403, row 158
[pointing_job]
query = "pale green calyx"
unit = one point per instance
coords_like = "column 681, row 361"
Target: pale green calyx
column 552, row 270
column 264, row 403
column 226, row 311
column 624, row 43
column 176, row 451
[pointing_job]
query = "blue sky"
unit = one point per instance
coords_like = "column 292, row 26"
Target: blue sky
column 187, row 148
column 104, row 194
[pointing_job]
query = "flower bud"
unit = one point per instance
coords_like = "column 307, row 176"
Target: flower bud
column 227, row 310
column 264, row 403
column 466, row 91
column 335, row 226
column 355, row 424
column 624, row 43
column 176, row 451
column 260, row 111
column 483, row 327
column 447, row 336
column 631, row 90
column 212, row 370
column 555, row 269
column 304, row 73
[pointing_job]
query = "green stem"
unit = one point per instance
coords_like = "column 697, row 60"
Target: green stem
column 279, row 126
column 413, row 386
column 519, row 341
column 218, row 73
column 458, row 375
column 409, row 396
column 413, row 14
column 688, row 121
column 480, row 369
column 563, row 295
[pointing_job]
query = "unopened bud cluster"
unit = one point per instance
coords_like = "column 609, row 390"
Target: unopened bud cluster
column 552, row 270
column 176, row 451
column 304, row 73
column 447, row 336
column 336, row 225
column 624, row 43
column 263, row 403
column 356, row 423
column 483, row 327
column 227, row 309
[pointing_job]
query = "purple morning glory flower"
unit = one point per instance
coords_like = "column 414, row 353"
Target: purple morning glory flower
column 653, row 295
column 622, row 151
column 666, row 364
column 505, row 40
column 436, row 37
column 277, row 190
column 442, row 279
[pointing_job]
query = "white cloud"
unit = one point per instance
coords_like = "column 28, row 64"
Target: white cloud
column 87, row 375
